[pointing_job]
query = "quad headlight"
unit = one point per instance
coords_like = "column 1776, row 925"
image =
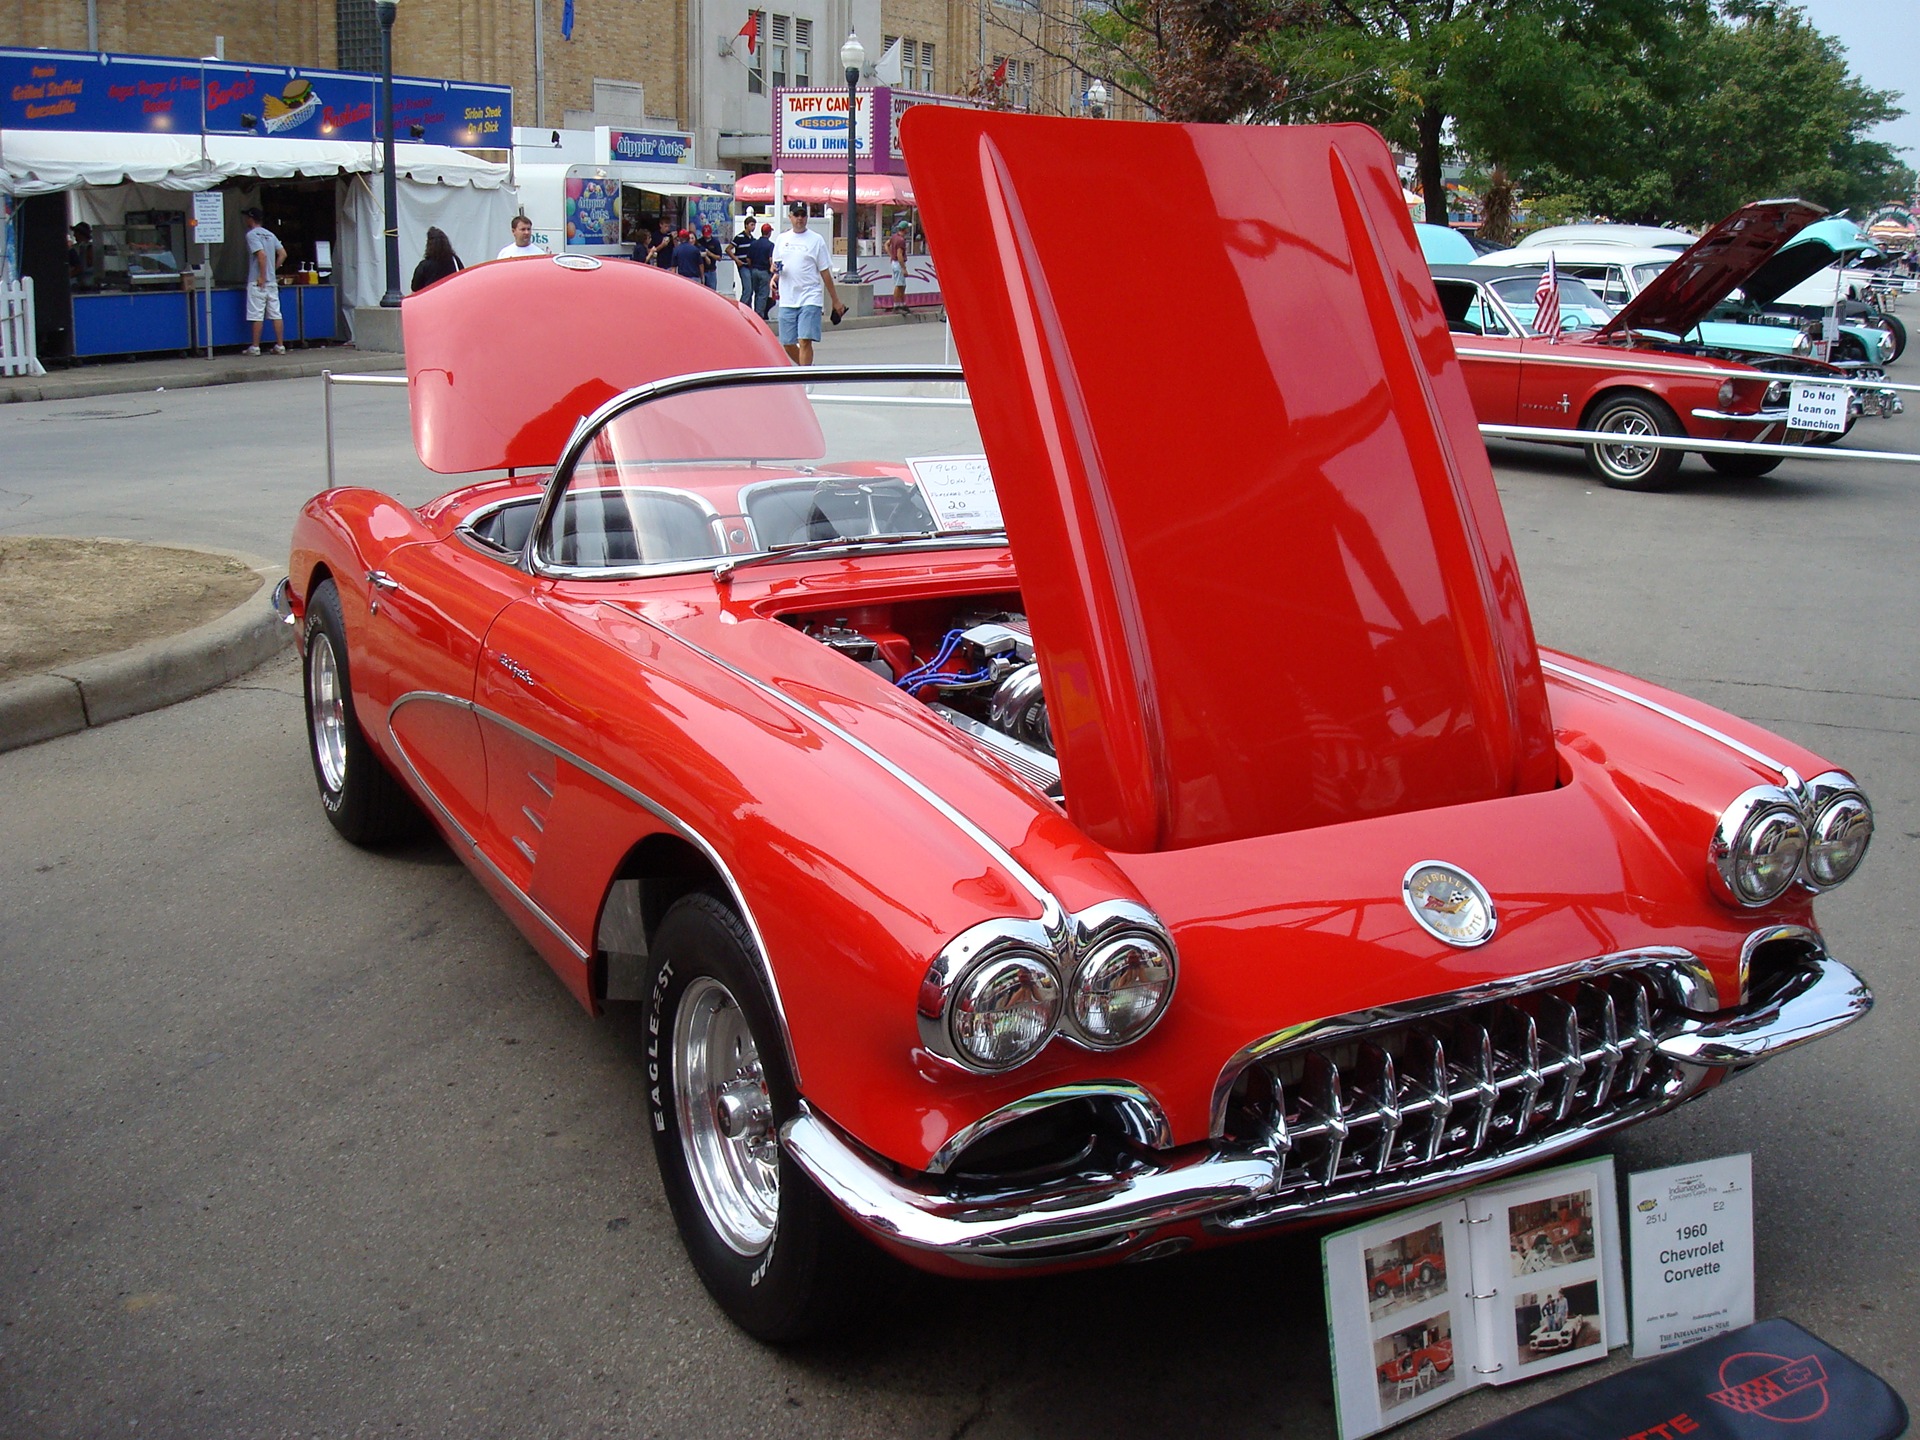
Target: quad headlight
column 1119, row 990
column 996, row 995
column 1004, row 1010
column 1816, row 833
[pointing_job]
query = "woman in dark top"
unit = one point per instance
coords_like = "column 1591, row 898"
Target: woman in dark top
column 439, row 261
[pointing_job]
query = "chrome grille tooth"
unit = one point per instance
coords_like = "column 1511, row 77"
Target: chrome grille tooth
column 1608, row 1025
column 1563, row 1030
column 1527, row 1080
column 1483, row 1088
column 1639, row 1036
column 1380, row 1091
column 1322, row 1100
column 1439, row 1097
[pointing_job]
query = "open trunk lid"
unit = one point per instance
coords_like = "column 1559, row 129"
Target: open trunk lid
column 1259, row 544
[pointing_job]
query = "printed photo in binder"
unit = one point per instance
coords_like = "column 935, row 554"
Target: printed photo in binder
column 1500, row 1284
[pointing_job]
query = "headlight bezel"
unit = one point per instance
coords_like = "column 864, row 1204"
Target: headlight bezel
column 1808, row 808
column 1064, row 947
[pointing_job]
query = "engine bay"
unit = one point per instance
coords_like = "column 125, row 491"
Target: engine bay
column 970, row 660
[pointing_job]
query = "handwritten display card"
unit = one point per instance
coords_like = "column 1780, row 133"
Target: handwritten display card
column 1690, row 1228
column 959, row 490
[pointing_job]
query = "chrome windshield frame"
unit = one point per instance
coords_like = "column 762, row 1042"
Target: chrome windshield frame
column 536, row 555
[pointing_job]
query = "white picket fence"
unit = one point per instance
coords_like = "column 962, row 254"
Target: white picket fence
column 17, row 353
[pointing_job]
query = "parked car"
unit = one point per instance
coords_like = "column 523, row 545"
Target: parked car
column 1013, row 865
column 1422, row 1364
column 1421, row 1272
column 1443, row 245
column 1618, row 274
column 1639, row 237
column 1606, row 375
column 1810, row 276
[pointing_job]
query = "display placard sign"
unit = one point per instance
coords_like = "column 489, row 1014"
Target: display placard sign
column 1818, row 407
column 209, row 218
column 1691, row 1233
column 1505, row 1283
column 959, row 488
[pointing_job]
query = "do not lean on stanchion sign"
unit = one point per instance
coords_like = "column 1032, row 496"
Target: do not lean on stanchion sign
column 1690, row 1231
column 1818, row 407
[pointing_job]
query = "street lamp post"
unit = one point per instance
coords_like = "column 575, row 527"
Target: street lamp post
column 853, row 55
column 1097, row 100
column 391, row 299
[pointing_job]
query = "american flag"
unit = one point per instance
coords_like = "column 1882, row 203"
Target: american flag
column 1546, row 303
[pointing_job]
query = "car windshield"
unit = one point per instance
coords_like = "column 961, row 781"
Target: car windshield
column 1643, row 274
column 757, row 471
column 1580, row 308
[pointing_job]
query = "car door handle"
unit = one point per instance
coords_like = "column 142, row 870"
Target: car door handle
column 380, row 580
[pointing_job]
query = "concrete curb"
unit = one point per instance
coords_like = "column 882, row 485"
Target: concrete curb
column 191, row 374
column 150, row 676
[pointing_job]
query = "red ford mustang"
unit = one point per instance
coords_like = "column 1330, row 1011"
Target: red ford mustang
column 1626, row 374
column 1125, row 812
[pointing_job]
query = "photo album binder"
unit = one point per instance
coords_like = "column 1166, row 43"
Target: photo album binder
column 1503, row 1283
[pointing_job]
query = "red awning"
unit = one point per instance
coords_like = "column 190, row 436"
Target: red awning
column 820, row 189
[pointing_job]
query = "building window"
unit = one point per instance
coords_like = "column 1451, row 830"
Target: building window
column 777, row 50
column 757, row 61
column 356, row 30
column 802, row 51
column 926, row 67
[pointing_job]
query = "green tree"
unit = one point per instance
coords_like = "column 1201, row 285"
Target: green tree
column 1752, row 100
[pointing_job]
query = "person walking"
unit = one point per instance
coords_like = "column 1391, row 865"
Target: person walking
column 523, row 245
column 739, row 248
column 438, row 261
column 265, row 256
column 709, row 243
column 802, row 283
column 759, row 271
column 897, row 260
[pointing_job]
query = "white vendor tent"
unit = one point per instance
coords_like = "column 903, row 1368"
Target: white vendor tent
column 109, row 174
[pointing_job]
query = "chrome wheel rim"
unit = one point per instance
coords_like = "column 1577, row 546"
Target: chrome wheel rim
column 327, row 702
column 726, row 1117
column 1629, row 461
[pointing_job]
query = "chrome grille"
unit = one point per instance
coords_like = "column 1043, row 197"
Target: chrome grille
column 1418, row 1096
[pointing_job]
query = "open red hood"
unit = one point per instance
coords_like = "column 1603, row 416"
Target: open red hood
column 505, row 358
column 1716, row 265
column 1258, row 540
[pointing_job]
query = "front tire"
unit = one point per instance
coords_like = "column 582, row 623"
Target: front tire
column 1849, row 347
column 1742, row 467
column 364, row 802
column 770, row 1248
column 1626, row 466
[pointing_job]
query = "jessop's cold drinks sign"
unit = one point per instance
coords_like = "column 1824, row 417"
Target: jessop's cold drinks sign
column 812, row 125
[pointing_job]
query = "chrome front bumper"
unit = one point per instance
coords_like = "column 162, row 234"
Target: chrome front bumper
column 1092, row 1212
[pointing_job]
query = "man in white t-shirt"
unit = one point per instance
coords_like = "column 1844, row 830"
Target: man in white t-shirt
column 264, row 259
column 522, row 245
column 802, row 282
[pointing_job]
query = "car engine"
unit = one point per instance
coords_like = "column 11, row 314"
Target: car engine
column 980, row 677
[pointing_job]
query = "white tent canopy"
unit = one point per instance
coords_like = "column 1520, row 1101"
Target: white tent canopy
column 43, row 162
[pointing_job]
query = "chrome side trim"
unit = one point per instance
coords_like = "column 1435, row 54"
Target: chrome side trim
column 1690, row 983
column 1784, row 771
column 473, row 846
column 1052, row 912
column 1754, row 417
column 1146, row 1122
column 282, row 600
column 647, row 803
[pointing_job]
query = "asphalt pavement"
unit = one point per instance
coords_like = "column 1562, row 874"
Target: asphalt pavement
column 298, row 1140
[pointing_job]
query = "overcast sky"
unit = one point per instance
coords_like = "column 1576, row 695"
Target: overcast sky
column 1883, row 49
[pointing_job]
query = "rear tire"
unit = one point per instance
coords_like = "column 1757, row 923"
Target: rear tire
column 770, row 1248
column 1743, row 467
column 1627, row 466
column 362, row 799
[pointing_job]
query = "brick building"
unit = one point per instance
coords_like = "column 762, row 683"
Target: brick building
column 675, row 63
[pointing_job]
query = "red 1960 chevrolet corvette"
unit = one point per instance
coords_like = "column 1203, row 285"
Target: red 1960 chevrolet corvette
column 1121, row 811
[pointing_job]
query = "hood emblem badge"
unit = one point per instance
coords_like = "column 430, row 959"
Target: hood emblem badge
column 1449, row 903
